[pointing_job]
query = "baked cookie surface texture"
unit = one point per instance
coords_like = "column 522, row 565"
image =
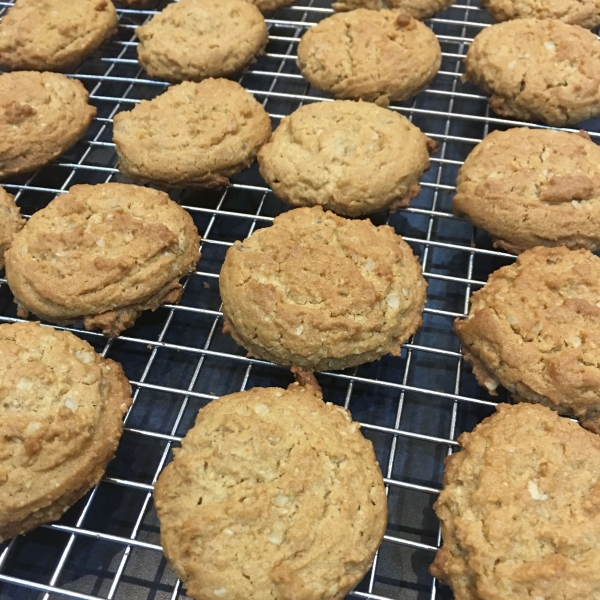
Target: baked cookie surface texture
column 41, row 116
column 54, row 35
column 273, row 495
column 378, row 56
column 102, row 253
column 61, row 420
column 520, row 509
column 538, row 70
column 196, row 39
column 318, row 291
column 10, row 222
column 535, row 329
column 419, row 9
column 193, row 135
column 533, row 187
column 350, row 157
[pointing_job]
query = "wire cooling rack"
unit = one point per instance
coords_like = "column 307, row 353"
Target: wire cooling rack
column 412, row 407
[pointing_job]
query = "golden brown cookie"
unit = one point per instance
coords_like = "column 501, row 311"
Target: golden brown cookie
column 193, row 135
column 10, row 222
column 191, row 40
column 54, row 35
column 273, row 494
column 61, row 414
column 270, row 5
column 534, row 328
column 320, row 292
column 419, row 9
column 354, row 158
column 41, row 116
column 520, row 509
column 533, row 187
column 538, row 70
column 102, row 253
column 379, row 56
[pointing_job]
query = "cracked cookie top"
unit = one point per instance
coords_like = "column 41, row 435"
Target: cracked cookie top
column 538, row 70
column 274, row 495
column 320, row 291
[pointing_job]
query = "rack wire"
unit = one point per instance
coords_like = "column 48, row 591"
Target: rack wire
column 412, row 407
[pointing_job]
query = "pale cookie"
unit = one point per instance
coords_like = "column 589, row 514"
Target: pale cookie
column 535, row 329
column 353, row 158
column 61, row 418
column 379, row 56
column 585, row 13
column 54, row 35
column 10, row 222
column 533, row 187
column 102, row 253
column 42, row 115
column 538, row 70
column 274, row 495
column 321, row 292
column 520, row 510
column 419, row 9
column 193, row 135
column 196, row 39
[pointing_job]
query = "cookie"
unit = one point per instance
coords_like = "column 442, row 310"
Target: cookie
column 10, row 222
column 537, row 70
column 193, row 135
column 353, row 158
column 61, row 418
column 378, row 56
column 269, row 5
column 54, row 35
column 273, row 494
column 535, row 329
column 520, row 509
column 533, row 187
column 196, row 39
column 321, row 292
column 419, row 9
column 585, row 13
column 102, row 253
column 42, row 115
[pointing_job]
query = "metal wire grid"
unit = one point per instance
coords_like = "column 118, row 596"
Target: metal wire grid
column 412, row 407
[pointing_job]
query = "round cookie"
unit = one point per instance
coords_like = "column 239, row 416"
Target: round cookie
column 196, row 39
column 538, row 70
column 41, row 116
column 321, row 292
column 193, row 135
column 378, row 56
column 533, row 187
column 10, row 222
column 269, row 5
column 535, row 329
column 102, row 253
column 419, row 9
column 61, row 418
column 585, row 13
column 353, row 158
column 273, row 494
column 520, row 509
column 54, row 35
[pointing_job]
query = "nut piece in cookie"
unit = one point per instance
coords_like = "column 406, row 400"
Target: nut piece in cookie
column 378, row 56
column 191, row 40
column 273, row 494
column 102, row 253
column 419, row 9
column 353, row 158
column 535, row 329
column 42, row 115
column 61, row 418
column 520, row 509
column 321, row 292
column 10, row 222
column 537, row 70
column 193, row 135
column 533, row 187
column 54, row 35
